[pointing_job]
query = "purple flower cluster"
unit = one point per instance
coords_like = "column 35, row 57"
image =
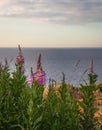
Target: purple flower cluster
column 31, row 79
column 20, row 59
column 40, row 77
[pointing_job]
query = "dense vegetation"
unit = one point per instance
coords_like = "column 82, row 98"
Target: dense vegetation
column 25, row 108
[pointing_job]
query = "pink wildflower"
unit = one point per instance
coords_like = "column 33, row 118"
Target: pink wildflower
column 39, row 75
column 20, row 58
column 31, row 78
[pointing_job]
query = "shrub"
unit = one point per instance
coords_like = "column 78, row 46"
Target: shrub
column 88, row 120
column 24, row 108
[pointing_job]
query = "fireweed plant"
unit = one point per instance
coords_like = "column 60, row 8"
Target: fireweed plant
column 23, row 107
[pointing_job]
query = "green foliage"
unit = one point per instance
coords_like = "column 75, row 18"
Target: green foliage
column 92, row 78
column 35, row 107
column 5, row 96
column 50, row 113
column 60, row 111
column 69, row 113
column 87, row 116
column 23, row 107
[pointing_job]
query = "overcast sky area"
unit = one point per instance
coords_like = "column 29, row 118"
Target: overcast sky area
column 51, row 23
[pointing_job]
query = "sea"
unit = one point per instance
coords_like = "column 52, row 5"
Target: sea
column 73, row 62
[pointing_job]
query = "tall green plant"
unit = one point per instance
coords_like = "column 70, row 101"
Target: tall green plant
column 50, row 111
column 69, row 115
column 60, row 110
column 5, row 97
column 34, row 107
column 19, row 94
column 88, row 120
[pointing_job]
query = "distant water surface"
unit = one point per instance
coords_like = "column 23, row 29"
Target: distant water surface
column 55, row 61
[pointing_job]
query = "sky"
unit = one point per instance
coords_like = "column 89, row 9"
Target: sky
column 51, row 23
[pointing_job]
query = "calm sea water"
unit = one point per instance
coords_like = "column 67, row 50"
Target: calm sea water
column 73, row 62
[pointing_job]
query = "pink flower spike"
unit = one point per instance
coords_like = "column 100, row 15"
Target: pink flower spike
column 31, row 78
column 19, row 58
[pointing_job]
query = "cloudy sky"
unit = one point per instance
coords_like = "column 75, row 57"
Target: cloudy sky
column 51, row 23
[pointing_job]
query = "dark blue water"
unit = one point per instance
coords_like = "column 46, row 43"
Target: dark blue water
column 73, row 62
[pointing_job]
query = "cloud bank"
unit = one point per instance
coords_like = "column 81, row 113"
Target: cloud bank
column 56, row 11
